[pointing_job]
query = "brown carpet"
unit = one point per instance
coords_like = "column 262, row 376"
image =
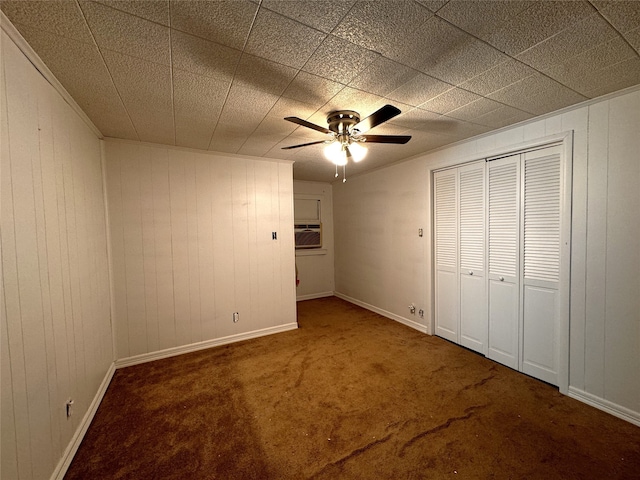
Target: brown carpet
column 349, row 395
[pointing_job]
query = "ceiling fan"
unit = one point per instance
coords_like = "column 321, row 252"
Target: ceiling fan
column 346, row 133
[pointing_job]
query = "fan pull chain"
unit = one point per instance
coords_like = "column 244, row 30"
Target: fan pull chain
column 336, row 170
column 344, row 173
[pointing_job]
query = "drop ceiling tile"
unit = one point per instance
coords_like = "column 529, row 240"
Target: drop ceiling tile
column 282, row 40
column 228, row 138
column 579, row 71
column 633, row 37
column 382, row 76
column 197, row 96
column 502, row 117
column 433, row 5
column 246, row 108
column 475, row 109
column 349, row 99
column 203, row 57
column 60, row 18
column 312, row 89
column 579, row 37
column 615, row 77
column 540, row 21
column 450, row 100
column 503, row 74
column 322, row 15
column 127, row 34
column 537, row 94
column 156, row 126
column 139, row 81
column 258, row 145
column 495, row 15
column 381, row 26
column 623, row 15
column 273, row 125
column 263, row 75
column 80, row 69
column 194, row 132
column 224, row 21
column 154, row 10
column 339, row 60
column 418, row 90
column 287, row 107
column 447, row 53
column 416, row 119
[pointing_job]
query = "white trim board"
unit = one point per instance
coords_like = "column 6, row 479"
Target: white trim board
column 194, row 347
column 605, row 405
column 70, row 452
column 405, row 321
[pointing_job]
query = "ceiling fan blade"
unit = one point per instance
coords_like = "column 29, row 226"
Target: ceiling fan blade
column 304, row 123
column 303, row 145
column 376, row 118
column 387, row 138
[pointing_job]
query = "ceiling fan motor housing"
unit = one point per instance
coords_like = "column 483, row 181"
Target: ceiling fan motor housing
column 341, row 121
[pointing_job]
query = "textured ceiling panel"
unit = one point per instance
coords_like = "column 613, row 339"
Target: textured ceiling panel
column 154, row 10
column 63, row 18
column 283, row 40
column 339, row 60
column 381, row 26
column 124, row 33
column 227, row 22
column 203, row 57
column 322, row 15
column 223, row 74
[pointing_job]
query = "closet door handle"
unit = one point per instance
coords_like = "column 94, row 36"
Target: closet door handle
column 470, row 272
column 501, row 279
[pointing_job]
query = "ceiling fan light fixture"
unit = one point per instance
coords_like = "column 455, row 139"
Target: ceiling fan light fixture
column 336, row 153
column 358, row 152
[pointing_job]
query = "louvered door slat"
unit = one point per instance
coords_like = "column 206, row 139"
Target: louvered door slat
column 542, row 219
column 503, row 218
column 472, row 218
column 446, row 225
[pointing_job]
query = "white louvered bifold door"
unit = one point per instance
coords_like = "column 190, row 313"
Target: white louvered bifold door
column 471, row 222
column 446, row 254
column 503, row 246
column 541, row 225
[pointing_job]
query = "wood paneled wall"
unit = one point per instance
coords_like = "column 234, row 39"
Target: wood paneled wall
column 56, row 331
column 191, row 237
column 376, row 217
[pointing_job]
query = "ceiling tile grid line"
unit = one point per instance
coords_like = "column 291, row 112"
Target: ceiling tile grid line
column 223, row 75
column 108, row 71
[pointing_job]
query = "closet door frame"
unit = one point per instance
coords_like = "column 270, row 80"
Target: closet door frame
column 566, row 140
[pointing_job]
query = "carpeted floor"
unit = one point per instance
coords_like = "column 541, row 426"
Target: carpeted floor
column 348, row 395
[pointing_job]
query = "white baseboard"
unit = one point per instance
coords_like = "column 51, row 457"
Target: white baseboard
column 405, row 321
column 605, row 405
column 78, row 436
column 313, row 296
column 194, row 347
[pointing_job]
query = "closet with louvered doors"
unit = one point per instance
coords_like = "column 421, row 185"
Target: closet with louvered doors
column 524, row 257
column 459, row 207
column 498, row 235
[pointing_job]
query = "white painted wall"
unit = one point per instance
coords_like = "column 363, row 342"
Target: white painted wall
column 380, row 259
column 191, row 236
column 315, row 271
column 381, row 263
column 56, row 331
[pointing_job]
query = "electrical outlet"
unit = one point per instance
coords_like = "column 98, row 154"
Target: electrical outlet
column 420, row 232
column 421, row 313
column 236, row 317
column 69, row 407
column 412, row 309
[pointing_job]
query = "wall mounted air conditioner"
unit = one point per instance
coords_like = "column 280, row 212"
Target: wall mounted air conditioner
column 308, row 235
